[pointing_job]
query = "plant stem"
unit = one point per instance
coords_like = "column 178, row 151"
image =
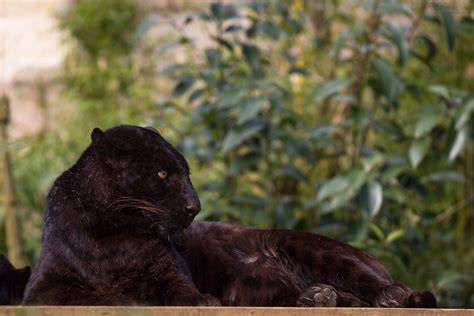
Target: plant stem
column 359, row 75
column 12, row 225
column 416, row 21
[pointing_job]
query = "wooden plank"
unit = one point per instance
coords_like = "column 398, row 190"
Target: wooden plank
column 222, row 311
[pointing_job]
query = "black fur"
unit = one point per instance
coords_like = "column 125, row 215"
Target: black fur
column 115, row 233
column 272, row 267
column 108, row 222
column 12, row 282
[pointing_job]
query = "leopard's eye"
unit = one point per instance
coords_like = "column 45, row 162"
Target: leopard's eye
column 162, row 174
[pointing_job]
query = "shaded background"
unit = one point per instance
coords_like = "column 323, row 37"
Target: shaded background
column 348, row 118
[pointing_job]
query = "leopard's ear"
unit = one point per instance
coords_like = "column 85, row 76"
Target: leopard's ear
column 100, row 138
column 107, row 149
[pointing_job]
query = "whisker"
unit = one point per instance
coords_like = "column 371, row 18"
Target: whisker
column 125, row 202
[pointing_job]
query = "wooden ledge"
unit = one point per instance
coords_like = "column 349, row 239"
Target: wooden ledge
column 221, row 311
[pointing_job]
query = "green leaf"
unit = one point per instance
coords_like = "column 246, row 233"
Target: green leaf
column 426, row 123
column 250, row 109
column 332, row 187
column 394, row 235
column 339, row 43
column 251, row 54
column 173, row 69
column 371, row 197
column 459, row 142
column 377, row 231
column 439, row 90
column 337, row 201
column 223, row 42
column 233, row 28
column 418, row 150
column 464, row 114
column 242, row 163
column 394, row 8
column 340, row 189
column 196, row 95
column 324, row 131
column 223, row 11
column 444, row 176
column 397, row 36
column 448, row 22
column 387, row 81
column 395, row 166
column 213, row 56
column 429, row 49
column 356, row 179
column 394, row 263
column 372, row 162
column 298, row 70
column 452, row 280
column 392, row 127
column 183, row 85
column 269, row 29
column 292, row 172
column 239, row 135
column 231, row 95
column 203, row 16
column 361, row 116
column 331, row 87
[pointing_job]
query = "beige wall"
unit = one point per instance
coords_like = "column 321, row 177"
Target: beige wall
column 31, row 52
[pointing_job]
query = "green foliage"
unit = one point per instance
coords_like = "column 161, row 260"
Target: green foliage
column 359, row 135
column 103, row 27
column 360, row 127
column 105, row 34
column 105, row 85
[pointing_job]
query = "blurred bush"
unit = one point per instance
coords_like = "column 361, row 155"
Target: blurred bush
column 352, row 121
column 104, row 35
column 108, row 79
column 349, row 118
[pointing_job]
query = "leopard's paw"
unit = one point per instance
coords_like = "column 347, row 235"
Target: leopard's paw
column 319, row 295
column 392, row 296
column 206, row 300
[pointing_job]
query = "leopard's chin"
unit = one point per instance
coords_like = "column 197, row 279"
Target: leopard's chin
column 188, row 223
column 170, row 230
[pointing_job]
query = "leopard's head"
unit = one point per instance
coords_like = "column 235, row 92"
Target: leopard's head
column 144, row 180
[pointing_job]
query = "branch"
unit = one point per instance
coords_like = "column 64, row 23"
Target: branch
column 361, row 68
column 416, row 21
column 374, row 24
column 450, row 211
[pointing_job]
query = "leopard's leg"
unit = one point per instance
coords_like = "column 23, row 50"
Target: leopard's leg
column 323, row 295
column 346, row 299
column 367, row 281
column 177, row 289
column 353, row 271
column 54, row 291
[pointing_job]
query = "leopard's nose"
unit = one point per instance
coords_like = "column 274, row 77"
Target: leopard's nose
column 193, row 209
column 192, row 205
